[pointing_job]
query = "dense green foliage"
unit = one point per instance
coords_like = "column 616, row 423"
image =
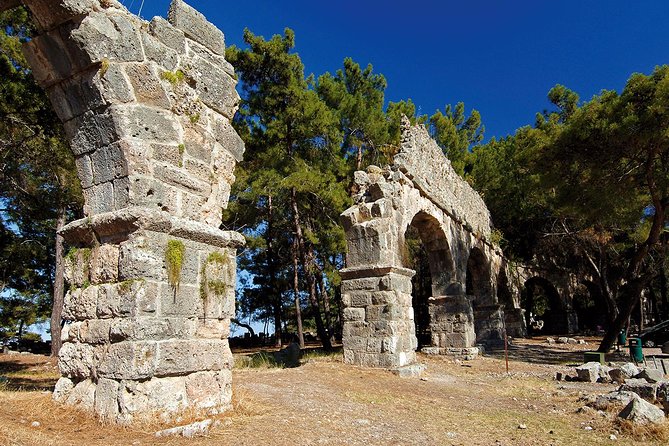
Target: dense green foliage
column 37, row 181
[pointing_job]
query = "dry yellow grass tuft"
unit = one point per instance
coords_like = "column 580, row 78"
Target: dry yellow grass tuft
column 649, row 432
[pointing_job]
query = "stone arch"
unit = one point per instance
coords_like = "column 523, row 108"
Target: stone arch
column 419, row 190
column 542, row 298
column 478, row 279
column 440, row 260
column 514, row 316
column 146, row 108
column 488, row 314
column 588, row 302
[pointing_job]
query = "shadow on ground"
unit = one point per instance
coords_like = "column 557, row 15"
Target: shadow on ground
column 19, row 376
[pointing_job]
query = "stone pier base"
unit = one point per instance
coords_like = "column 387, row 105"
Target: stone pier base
column 489, row 323
column 379, row 329
column 148, row 312
column 452, row 322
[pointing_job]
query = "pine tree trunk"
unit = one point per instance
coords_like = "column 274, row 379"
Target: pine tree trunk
column 663, row 294
column 631, row 296
column 58, row 288
column 307, row 267
column 326, row 305
column 275, row 294
column 296, row 291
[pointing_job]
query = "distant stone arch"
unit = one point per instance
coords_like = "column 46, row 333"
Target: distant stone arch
column 146, row 107
column 419, row 190
column 544, row 301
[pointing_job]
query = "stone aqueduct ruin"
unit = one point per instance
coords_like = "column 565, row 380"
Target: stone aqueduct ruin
column 147, row 109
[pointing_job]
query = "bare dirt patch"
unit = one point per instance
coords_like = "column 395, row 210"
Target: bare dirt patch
column 327, row 402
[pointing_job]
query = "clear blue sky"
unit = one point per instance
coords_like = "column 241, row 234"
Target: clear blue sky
column 498, row 56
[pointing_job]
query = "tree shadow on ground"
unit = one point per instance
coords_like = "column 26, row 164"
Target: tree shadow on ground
column 548, row 354
column 20, row 376
column 288, row 357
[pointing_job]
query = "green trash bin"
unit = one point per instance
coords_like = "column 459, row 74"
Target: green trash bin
column 622, row 338
column 636, row 351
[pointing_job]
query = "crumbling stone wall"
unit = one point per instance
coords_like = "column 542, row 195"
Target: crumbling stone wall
column 147, row 109
column 422, row 190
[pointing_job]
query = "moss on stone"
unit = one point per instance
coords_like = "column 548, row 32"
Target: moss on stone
column 104, row 66
column 173, row 77
column 174, row 256
column 218, row 287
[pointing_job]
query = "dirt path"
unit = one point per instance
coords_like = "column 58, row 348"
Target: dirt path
column 325, row 402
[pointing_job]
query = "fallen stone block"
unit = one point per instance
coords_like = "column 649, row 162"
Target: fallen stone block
column 619, row 397
column 189, row 431
column 651, row 375
column 642, row 412
column 588, row 372
column 645, row 390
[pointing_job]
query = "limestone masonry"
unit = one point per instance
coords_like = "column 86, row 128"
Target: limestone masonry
column 420, row 190
column 147, row 109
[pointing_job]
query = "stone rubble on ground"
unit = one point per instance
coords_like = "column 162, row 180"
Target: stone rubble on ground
column 640, row 390
column 641, row 411
column 198, row 429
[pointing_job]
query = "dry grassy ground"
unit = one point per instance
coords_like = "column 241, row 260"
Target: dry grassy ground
column 327, row 402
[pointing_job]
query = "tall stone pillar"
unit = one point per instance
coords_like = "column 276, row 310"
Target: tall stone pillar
column 147, row 109
column 379, row 329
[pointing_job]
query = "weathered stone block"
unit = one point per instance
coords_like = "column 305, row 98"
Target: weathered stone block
column 168, row 153
column 84, row 170
column 157, row 394
column 213, row 329
column 107, row 36
column 354, row 314
column 203, row 390
column 106, row 398
column 159, row 53
column 183, row 301
column 79, row 394
column 129, row 360
column 94, row 331
column 80, row 304
column 146, row 84
column 198, row 144
column 215, row 87
column 114, row 85
column 357, row 299
column 140, row 258
column 180, row 178
column 364, row 284
column 196, row 27
column 151, row 328
column 52, row 14
column 104, row 264
column 227, row 136
column 168, row 34
column 76, row 361
column 90, row 131
column 186, row 356
column 49, row 59
column 145, row 123
column 130, row 298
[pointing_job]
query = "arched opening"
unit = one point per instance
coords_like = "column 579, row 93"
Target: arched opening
column 590, row 307
column 514, row 319
column 426, row 251
column 544, row 311
column 488, row 314
column 478, row 282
